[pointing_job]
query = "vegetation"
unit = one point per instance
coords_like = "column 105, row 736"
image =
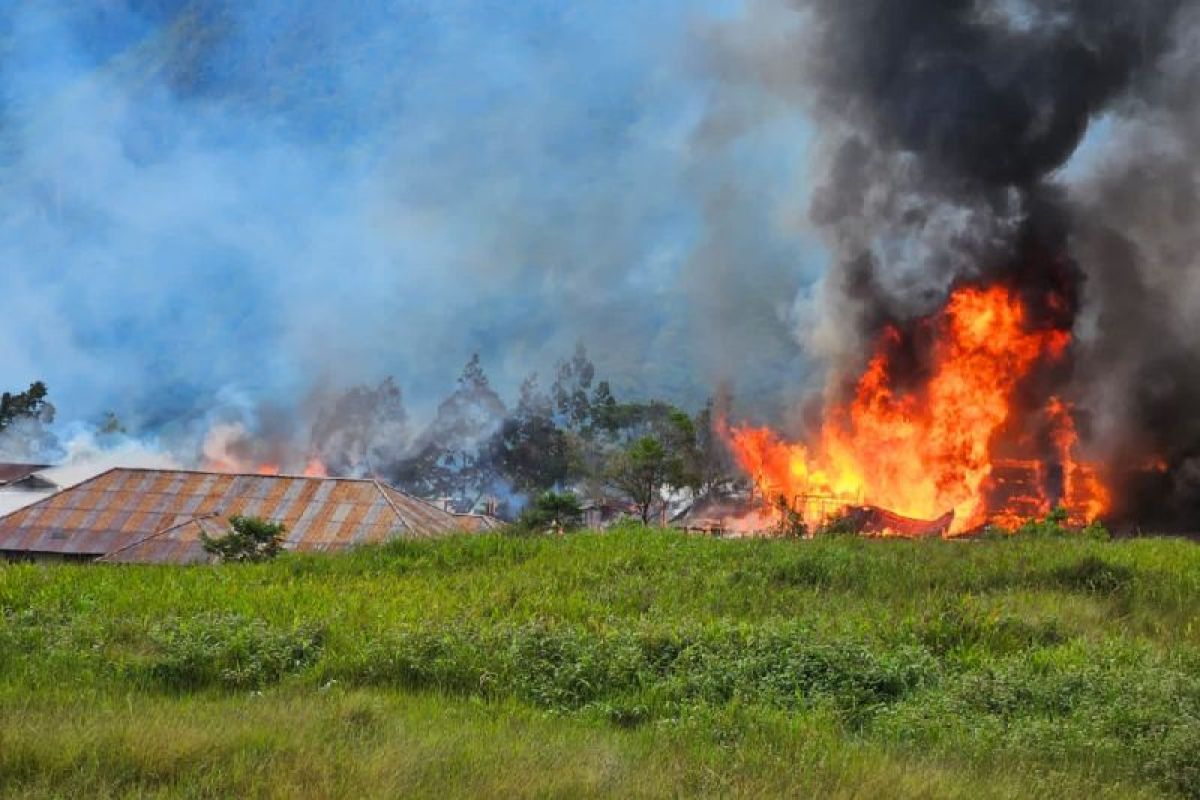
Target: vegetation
column 633, row 663
column 554, row 512
column 574, row 435
column 248, row 539
column 31, row 405
column 24, row 420
column 790, row 524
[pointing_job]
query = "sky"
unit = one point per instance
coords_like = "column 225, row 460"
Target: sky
column 235, row 204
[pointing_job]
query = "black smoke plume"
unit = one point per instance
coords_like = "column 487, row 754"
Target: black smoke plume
column 948, row 148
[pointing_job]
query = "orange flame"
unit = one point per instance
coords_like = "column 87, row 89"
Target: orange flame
column 922, row 451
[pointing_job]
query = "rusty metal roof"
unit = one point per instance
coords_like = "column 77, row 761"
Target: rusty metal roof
column 156, row 516
column 480, row 522
column 12, row 473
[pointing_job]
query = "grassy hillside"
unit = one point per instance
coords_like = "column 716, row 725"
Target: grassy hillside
column 636, row 663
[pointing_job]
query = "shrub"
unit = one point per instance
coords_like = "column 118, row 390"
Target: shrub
column 632, row 676
column 551, row 511
column 839, row 526
column 1055, row 525
column 248, row 539
column 228, row 651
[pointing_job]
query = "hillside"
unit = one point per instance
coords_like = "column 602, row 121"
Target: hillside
column 634, row 663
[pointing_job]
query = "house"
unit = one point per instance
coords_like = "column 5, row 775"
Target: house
column 157, row 516
column 22, row 484
column 604, row 512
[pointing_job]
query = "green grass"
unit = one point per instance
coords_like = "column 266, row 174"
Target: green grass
column 634, row 663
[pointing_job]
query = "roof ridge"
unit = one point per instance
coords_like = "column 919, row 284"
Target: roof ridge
column 289, row 476
column 382, row 487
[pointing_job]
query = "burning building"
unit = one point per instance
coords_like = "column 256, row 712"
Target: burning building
column 991, row 330
column 157, row 516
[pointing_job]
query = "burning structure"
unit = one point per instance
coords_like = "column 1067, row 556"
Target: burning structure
column 157, row 516
column 997, row 341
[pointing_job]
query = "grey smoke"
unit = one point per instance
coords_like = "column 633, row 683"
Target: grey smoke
column 217, row 211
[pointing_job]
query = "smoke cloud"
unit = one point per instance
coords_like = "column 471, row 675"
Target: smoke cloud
column 272, row 201
column 1046, row 143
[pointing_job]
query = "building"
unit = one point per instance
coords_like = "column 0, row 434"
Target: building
column 23, row 484
column 157, row 516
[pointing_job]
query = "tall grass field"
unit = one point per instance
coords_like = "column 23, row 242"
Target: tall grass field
column 633, row 663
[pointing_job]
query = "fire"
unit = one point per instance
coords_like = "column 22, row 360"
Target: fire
column 315, row 468
column 925, row 445
column 231, row 448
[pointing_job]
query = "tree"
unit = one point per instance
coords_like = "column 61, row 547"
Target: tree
column 530, row 450
column 248, row 539
column 111, row 425
column 23, row 420
column 30, row 405
column 571, row 387
column 712, row 461
column 641, row 470
column 605, row 414
column 450, row 457
column 558, row 511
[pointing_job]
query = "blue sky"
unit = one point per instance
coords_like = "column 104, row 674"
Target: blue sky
column 212, row 203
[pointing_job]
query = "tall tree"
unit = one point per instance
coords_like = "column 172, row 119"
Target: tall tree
column 712, row 461
column 572, row 387
column 450, row 456
column 529, row 449
column 605, row 411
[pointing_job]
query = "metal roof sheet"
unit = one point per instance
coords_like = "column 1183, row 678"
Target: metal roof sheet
column 480, row 522
column 139, row 515
column 11, row 473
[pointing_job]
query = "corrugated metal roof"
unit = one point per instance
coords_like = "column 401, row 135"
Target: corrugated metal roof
column 480, row 522
column 11, row 473
column 139, row 515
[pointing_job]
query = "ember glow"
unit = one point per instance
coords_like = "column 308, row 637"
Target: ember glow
column 933, row 425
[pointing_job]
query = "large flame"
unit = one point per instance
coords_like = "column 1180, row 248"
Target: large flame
column 922, row 445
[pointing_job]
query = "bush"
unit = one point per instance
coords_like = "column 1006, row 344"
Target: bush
column 249, row 539
column 637, row 675
column 551, row 512
column 1055, row 526
column 228, row 651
